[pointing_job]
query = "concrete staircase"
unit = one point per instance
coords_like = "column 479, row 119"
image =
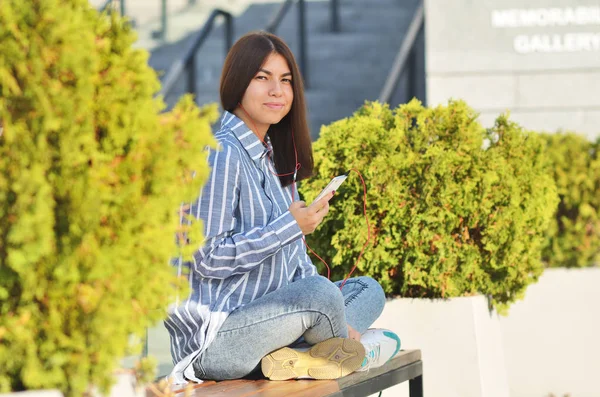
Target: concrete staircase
column 344, row 68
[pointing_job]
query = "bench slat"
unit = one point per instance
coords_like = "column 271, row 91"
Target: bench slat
column 266, row 388
column 405, row 366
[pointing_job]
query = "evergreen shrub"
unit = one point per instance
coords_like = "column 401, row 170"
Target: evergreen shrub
column 455, row 209
column 91, row 177
column 574, row 237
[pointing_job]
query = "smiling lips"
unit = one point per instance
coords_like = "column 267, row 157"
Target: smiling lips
column 274, row 105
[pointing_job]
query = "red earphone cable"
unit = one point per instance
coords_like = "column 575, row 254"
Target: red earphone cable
column 297, row 167
column 368, row 228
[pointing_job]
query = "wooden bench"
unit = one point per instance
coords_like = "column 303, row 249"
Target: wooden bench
column 406, row 366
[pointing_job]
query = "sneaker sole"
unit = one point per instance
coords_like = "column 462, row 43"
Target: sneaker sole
column 330, row 359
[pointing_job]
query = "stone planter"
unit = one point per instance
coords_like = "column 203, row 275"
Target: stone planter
column 461, row 345
column 552, row 337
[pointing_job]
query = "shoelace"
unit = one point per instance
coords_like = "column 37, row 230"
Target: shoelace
column 373, row 351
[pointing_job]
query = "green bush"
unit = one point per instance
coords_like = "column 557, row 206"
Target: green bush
column 574, row 238
column 91, row 176
column 449, row 216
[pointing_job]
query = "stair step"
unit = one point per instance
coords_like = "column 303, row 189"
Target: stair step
column 344, row 69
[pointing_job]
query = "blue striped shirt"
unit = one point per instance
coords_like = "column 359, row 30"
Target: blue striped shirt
column 252, row 243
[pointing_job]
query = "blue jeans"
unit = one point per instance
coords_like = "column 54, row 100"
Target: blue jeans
column 313, row 308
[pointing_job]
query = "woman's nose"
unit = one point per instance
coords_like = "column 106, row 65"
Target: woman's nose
column 276, row 89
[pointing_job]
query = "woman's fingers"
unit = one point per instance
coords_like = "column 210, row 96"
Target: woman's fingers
column 322, row 203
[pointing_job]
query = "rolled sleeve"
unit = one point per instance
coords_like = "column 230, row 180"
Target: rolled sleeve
column 286, row 228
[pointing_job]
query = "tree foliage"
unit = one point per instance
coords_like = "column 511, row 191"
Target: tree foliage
column 574, row 238
column 91, row 176
column 455, row 209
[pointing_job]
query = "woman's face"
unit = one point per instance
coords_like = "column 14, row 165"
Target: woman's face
column 269, row 96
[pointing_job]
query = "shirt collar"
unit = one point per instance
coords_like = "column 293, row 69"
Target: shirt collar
column 246, row 136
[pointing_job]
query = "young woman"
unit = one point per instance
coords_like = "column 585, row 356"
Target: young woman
column 255, row 291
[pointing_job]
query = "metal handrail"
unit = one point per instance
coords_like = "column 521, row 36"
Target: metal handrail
column 280, row 14
column 405, row 51
column 276, row 21
column 335, row 15
column 188, row 59
column 283, row 9
column 108, row 3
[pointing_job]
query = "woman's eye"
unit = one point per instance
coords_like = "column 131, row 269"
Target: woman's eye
column 289, row 81
column 261, row 77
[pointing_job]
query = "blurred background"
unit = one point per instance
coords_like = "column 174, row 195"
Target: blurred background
column 537, row 58
column 348, row 50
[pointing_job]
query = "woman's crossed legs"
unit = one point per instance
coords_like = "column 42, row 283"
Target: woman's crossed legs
column 313, row 308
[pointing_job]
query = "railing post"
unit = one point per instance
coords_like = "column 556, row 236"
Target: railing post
column 335, row 18
column 228, row 32
column 122, row 7
column 302, row 41
column 163, row 18
column 191, row 83
column 412, row 74
column 145, row 349
column 162, row 33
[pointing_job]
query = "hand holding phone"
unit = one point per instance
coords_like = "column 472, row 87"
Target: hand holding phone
column 333, row 185
column 308, row 218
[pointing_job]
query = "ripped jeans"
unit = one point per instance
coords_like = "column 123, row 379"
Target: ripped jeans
column 313, row 308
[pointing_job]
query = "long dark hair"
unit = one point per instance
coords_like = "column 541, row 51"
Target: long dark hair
column 242, row 63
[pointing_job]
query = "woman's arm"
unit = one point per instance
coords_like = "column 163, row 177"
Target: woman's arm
column 224, row 253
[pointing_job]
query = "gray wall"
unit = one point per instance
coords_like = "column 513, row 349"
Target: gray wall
column 540, row 59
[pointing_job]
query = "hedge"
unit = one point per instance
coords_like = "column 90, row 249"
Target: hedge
column 456, row 209
column 91, row 176
column 574, row 238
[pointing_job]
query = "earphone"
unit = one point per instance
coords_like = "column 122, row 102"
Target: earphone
column 295, row 172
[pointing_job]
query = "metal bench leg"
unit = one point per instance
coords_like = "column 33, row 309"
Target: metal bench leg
column 415, row 386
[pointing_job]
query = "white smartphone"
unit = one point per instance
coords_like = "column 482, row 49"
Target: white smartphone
column 334, row 184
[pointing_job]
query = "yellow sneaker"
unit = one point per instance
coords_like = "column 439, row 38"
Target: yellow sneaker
column 330, row 359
